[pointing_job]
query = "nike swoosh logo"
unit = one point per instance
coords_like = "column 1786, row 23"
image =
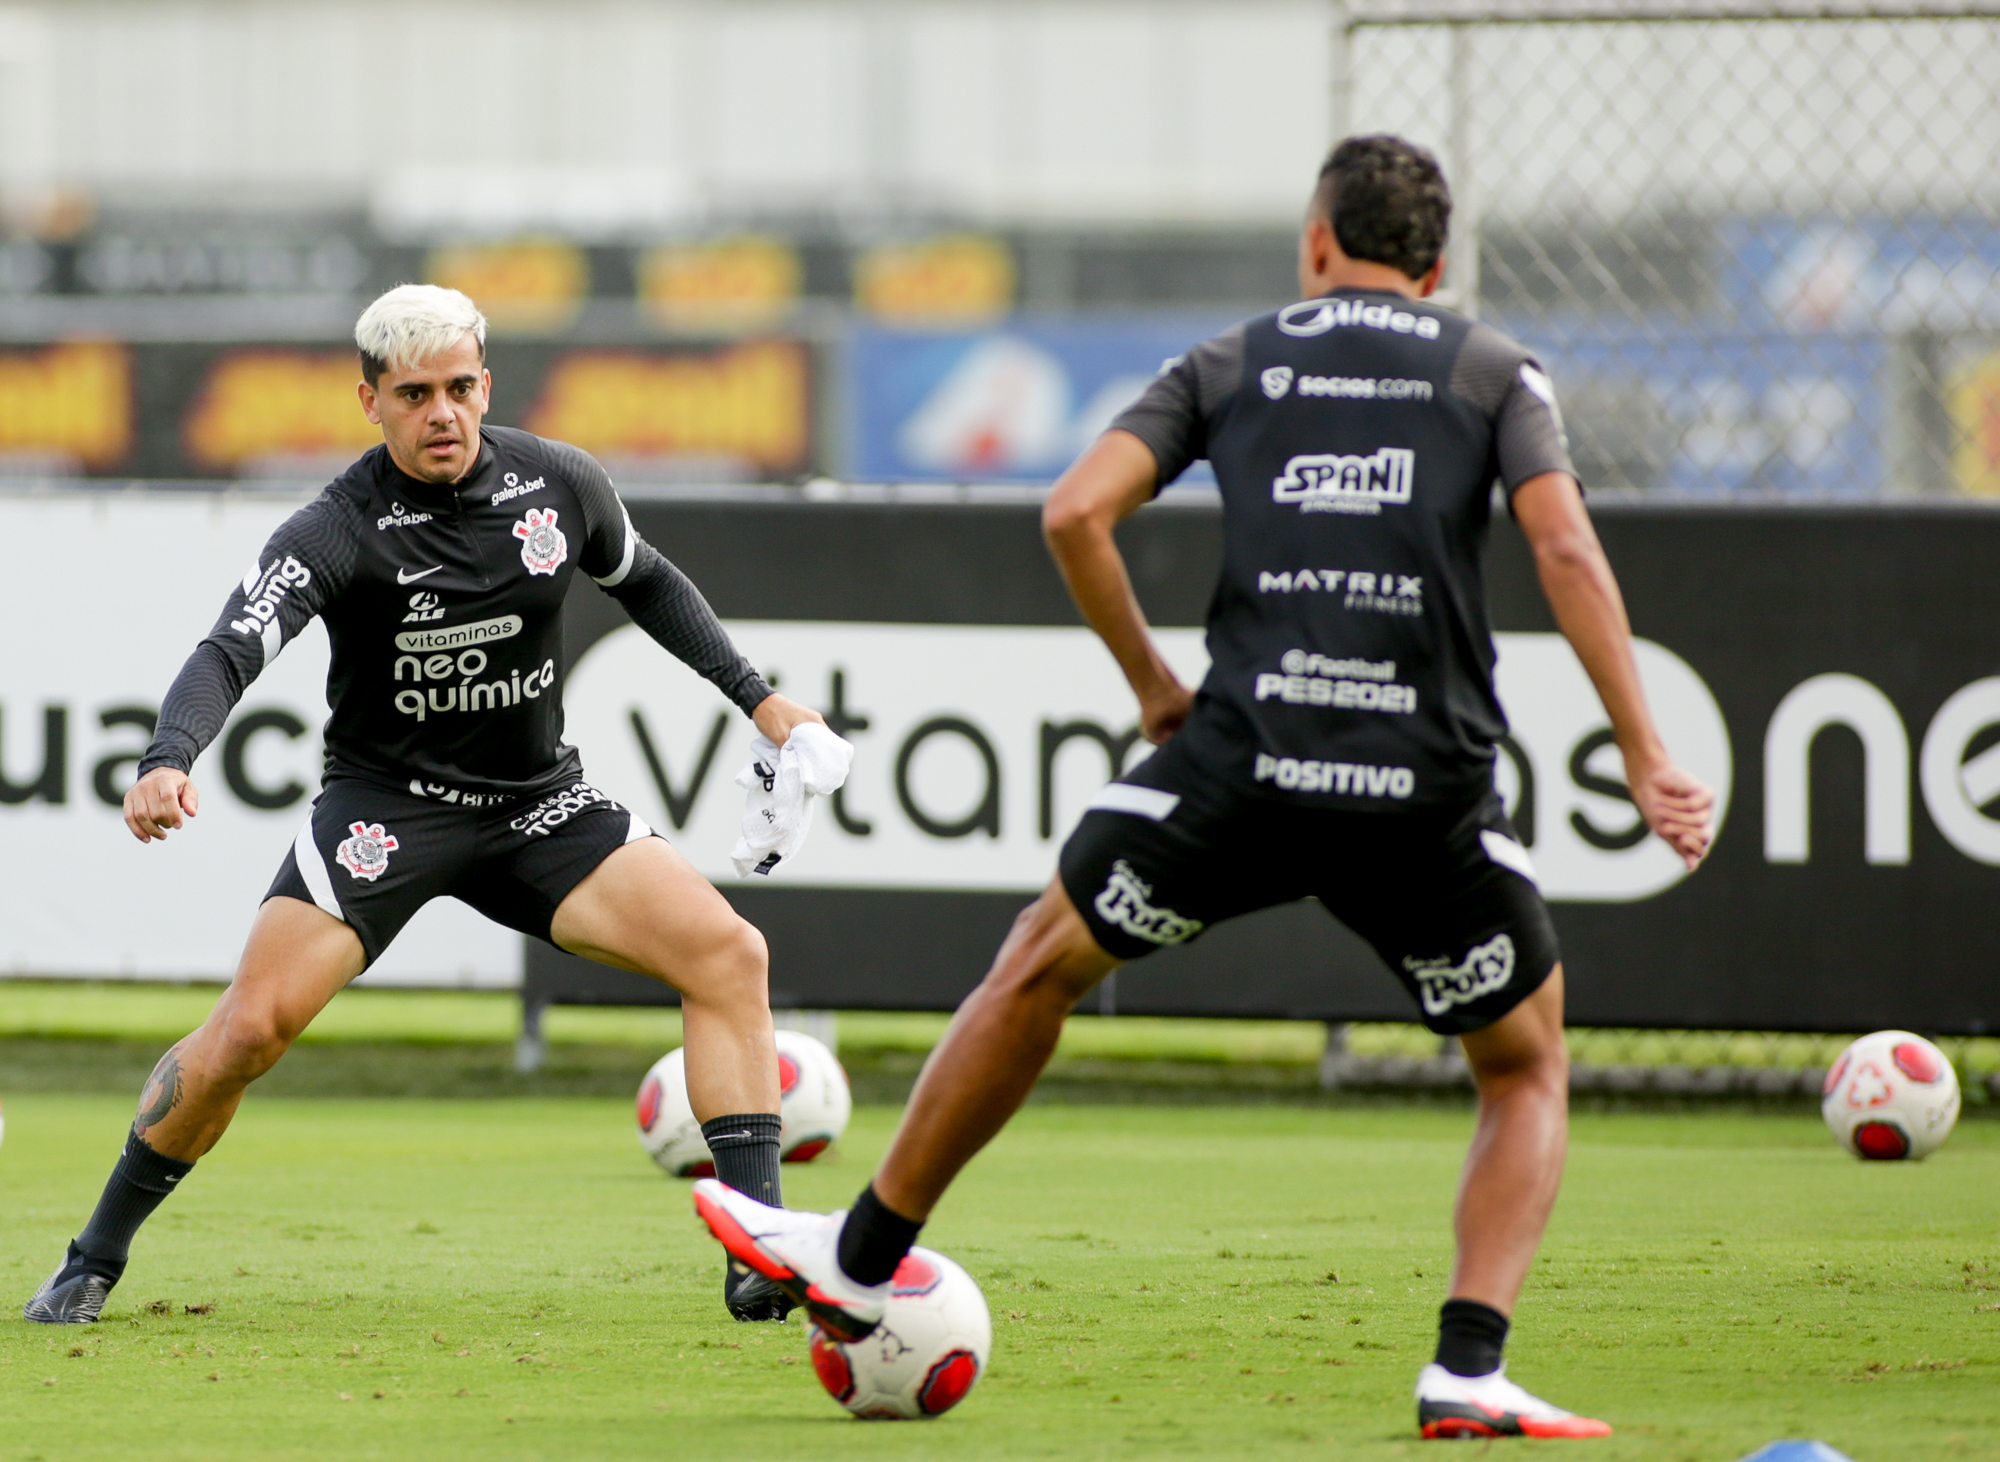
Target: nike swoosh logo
column 404, row 576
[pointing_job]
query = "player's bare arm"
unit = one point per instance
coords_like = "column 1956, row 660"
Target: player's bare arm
column 1111, row 481
column 1581, row 590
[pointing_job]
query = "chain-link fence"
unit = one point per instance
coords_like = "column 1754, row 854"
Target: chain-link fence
column 1758, row 245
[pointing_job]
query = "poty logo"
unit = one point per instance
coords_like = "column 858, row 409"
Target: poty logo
column 365, row 855
column 1332, row 483
column 399, row 516
column 1276, row 381
column 424, row 606
column 1316, row 317
column 1441, row 984
column 1127, row 902
column 543, row 547
column 264, row 589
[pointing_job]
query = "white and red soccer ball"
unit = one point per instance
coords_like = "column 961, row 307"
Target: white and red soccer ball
column 927, row 1354
column 814, row 1102
column 1891, row 1096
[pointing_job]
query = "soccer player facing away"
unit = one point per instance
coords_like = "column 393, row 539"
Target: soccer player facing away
column 1341, row 746
column 439, row 562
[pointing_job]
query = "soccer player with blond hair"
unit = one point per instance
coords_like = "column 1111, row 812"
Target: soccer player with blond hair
column 439, row 562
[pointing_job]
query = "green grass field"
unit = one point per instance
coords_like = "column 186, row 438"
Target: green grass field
column 512, row 1279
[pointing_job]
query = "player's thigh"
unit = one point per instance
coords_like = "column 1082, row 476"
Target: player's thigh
column 1166, row 853
column 1449, row 901
column 369, row 858
column 585, row 874
column 298, row 957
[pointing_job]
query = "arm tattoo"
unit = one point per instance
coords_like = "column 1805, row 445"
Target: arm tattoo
column 162, row 1092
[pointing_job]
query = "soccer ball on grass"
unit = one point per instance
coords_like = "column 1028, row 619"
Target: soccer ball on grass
column 1891, row 1096
column 813, row 1100
column 928, row 1352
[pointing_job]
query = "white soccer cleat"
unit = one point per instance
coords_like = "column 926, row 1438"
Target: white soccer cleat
column 799, row 1252
column 1491, row 1406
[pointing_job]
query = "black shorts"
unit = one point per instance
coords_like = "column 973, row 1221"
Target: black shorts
column 372, row 857
column 1445, row 894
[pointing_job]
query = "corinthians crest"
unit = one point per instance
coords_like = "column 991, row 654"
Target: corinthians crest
column 366, row 854
column 543, row 547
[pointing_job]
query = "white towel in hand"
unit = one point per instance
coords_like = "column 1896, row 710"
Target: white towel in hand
column 779, row 786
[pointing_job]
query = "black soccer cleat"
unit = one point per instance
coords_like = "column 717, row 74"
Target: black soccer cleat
column 73, row 1295
column 750, row 1296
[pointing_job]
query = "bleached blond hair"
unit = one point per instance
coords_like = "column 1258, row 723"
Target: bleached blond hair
column 412, row 323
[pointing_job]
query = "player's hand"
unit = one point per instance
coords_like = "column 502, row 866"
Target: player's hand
column 1162, row 712
column 158, row 801
column 777, row 715
column 1678, row 806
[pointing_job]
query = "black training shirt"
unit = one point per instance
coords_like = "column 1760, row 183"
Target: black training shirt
column 1356, row 439
column 443, row 603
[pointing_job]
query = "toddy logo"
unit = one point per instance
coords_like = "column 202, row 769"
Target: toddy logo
column 424, row 607
column 366, row 855
column 543, row 547
column 1442, row 984
column 1127, row 902
column 1334, row 483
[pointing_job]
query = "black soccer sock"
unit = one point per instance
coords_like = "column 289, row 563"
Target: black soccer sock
column 139, row 1183
column 1471, row 1338
column 875, row 1238
column 745, row 1148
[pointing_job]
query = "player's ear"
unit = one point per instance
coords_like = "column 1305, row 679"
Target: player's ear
column 1432, row 277
column 369, row 407
column 1318, row 250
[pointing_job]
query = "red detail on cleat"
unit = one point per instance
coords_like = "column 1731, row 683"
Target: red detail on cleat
column 811, row 1148
column 737, row 1240
column 915, row 1275
column 1458, row 1426
column 702, row 1169
column 649, row 1103
column 1833, row 1076
column 948, row 1382
column 828, row 1312
column 1917, row 1062
column 788, row 1074
column 830, row 1365
column 1566, row 1426
column 1881, row 1141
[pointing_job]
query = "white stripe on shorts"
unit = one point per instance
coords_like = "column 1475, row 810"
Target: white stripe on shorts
column 312, row 868
column 638, row 829
column 1509, row 854
column 1139, row 801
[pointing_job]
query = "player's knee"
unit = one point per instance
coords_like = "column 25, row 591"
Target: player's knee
column 251, row 1041
column 1539, row 1065
column 737, row 965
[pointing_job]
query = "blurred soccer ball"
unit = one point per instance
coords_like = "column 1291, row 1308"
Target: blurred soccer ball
column 813, row 1100
column 928, row 1352
column 1891, row 1096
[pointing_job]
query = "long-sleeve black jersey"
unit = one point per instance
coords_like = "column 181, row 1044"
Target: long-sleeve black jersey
column 443, row 603
column 1356, row 439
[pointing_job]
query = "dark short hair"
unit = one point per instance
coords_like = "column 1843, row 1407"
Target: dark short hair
column 1387, row 202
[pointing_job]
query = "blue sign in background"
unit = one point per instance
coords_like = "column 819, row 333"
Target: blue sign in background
column 1012, row 404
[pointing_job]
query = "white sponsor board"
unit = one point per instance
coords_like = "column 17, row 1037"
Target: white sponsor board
column 984, row 744
column 105, row 597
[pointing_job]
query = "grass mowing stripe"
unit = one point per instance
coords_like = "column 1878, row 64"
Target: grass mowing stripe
column 515, row 1281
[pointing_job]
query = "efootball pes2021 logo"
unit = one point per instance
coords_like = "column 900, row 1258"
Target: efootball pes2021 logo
column 366, row 854
column 543, row 547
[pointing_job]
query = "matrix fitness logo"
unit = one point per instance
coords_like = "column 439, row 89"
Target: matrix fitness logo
column 366, row 855
column 1441, row 984
column 1127, row 903
column 543, row 547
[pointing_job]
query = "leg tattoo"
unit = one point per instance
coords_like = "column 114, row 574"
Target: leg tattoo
column 162, row 1092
